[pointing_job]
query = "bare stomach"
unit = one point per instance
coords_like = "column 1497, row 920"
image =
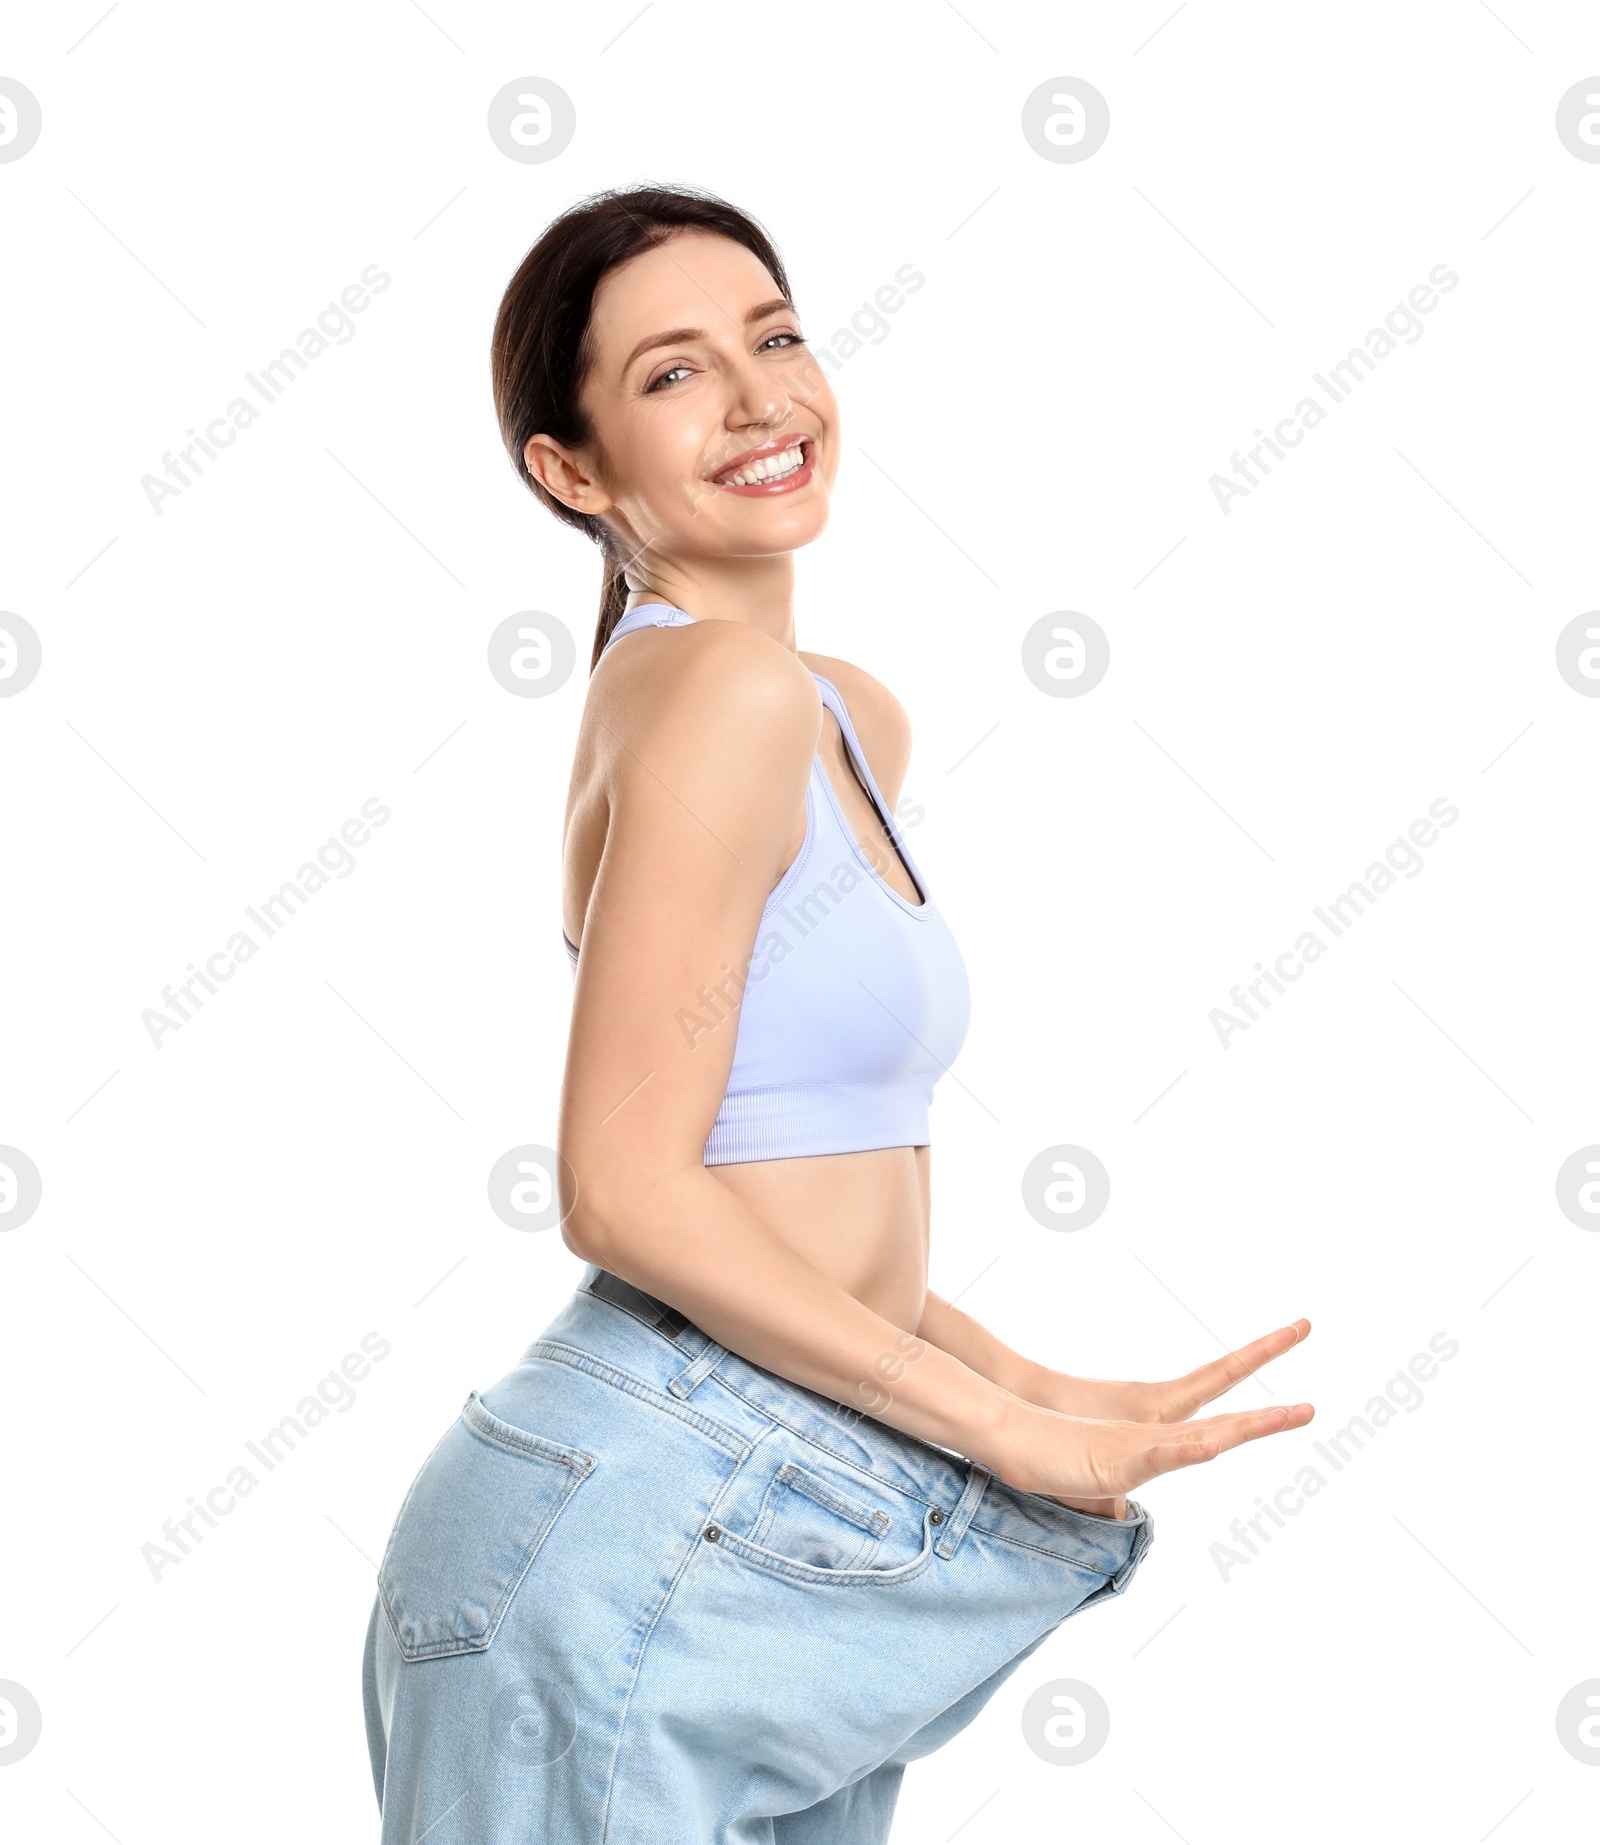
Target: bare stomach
column 861, row 1219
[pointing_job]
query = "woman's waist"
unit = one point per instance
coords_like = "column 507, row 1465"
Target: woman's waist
column 659, row 1360
column 632, row 1358
column 861, row 1219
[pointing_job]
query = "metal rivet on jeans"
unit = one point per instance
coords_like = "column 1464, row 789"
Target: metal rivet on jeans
column 713, row 1533
column 936, row 1517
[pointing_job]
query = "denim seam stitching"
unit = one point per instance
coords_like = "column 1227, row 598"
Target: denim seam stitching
column 811, row 1442
column 729, row 1440
column 785, row 1481
column 1059, row 1556
column 801, row 1435
column 776, row 1564
column 633, row 1685
column 455, row 1644
column 522, row 1442
column 759, row 1409
column 864, row 1517
column 388, row 1549
column 690, row 1551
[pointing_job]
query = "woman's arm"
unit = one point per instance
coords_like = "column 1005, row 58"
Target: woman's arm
column 957, row 1333
column 708, row 778
column 972, row 1342
column 713, row 756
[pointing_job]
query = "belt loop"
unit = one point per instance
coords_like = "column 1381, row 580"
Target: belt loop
column 955, row 1526
column 684, row 1384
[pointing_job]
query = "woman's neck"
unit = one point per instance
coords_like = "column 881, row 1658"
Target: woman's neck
column 757, row 591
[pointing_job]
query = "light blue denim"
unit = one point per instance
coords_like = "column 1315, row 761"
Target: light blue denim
column 644, row 1592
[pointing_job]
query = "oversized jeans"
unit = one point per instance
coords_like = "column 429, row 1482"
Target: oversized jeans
column 644, row 1592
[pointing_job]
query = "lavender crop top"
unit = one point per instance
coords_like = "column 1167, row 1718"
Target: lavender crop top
column 856, row 1000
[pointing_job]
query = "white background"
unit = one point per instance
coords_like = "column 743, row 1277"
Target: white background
column 305, row 628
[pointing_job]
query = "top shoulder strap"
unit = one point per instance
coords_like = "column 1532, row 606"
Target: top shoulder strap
column 647, row 615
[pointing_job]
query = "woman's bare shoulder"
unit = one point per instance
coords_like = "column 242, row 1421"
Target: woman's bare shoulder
column 714, row 691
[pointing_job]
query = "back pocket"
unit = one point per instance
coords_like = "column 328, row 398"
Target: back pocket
column 809, row 1521
column 469, row 1528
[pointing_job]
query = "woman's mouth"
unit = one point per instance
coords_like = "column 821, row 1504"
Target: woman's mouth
column 772, row 470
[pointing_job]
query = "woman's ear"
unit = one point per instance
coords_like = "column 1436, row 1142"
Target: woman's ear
column 563, row 474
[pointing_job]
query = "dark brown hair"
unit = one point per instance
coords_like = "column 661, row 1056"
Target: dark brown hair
column 541, row 351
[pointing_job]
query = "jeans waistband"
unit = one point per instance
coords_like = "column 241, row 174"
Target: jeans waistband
column 619, row 1324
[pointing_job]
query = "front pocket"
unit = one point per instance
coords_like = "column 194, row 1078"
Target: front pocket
column 810, row 1522
column 775, row 1564
column 468, row 1530
column 812, row 1527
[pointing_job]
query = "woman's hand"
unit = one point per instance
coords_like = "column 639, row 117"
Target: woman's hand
column 1102, row 1400
column 1091, row 1464
column 1174, row 1401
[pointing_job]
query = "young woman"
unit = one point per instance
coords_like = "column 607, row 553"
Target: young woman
column 759, row 1518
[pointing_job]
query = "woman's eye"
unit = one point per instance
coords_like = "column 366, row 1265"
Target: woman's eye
column 672, row 371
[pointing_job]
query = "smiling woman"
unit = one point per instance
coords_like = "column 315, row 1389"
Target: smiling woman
column 560, row 299
column 758, row 1518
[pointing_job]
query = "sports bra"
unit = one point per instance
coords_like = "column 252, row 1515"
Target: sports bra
column 856, row 999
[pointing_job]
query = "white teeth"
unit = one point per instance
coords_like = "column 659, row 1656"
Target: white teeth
column 770, row 467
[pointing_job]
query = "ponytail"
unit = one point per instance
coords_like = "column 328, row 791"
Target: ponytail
column 613, row 600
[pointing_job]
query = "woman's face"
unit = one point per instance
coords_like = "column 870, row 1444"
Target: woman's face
column 698, row 362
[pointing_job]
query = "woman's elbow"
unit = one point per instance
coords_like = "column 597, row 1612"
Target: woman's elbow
column 596, row 1221
column 584, row 1226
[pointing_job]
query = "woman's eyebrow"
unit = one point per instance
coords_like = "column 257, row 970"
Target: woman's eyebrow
column 676, row 335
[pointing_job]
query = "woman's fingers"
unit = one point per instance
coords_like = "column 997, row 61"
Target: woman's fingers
column 1077, row 1457
column 1171, row 1455
column 1194, row 1442
column 1207, row 1428
column 1209, row 1381
column 1251, row 1424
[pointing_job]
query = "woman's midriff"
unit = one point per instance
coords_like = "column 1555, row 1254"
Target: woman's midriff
column 860, row 1218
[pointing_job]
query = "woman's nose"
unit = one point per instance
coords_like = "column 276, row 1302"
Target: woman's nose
column 758, row 399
